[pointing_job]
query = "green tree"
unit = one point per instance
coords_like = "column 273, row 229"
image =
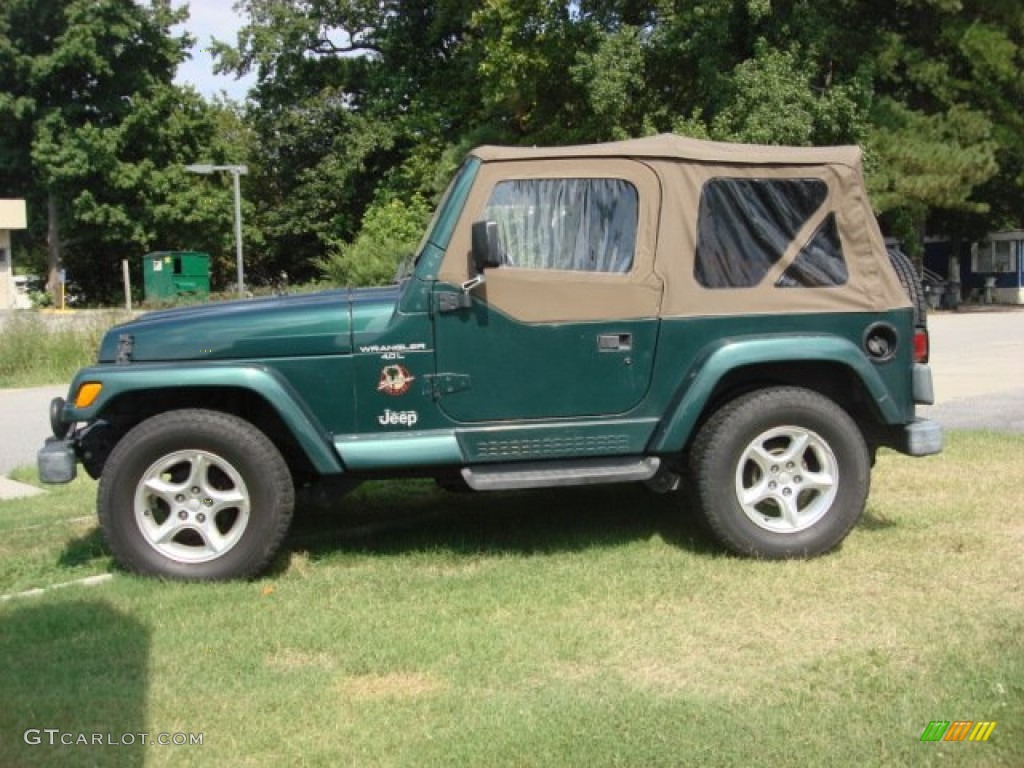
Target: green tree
column 930, row 144
column 354, row 102
column 94, row 133
column 317, row 164
column 772, row 99
column 361, row 101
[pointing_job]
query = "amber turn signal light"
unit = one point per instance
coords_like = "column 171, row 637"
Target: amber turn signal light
column 87, row 394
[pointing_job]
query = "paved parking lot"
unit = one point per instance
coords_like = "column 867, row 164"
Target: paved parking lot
column 24, row 424
column 978, row 367
column 977, row 362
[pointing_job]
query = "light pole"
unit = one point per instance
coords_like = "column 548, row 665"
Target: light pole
column 236, row 171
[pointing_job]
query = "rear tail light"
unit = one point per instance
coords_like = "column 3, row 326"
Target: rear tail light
column 921, row 345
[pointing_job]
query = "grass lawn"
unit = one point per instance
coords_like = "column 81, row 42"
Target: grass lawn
column 590, row 627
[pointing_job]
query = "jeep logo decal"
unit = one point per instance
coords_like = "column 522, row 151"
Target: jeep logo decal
column 393, row 418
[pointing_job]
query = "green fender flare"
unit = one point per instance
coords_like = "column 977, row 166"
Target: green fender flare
column 258, row 379
column 686, row 406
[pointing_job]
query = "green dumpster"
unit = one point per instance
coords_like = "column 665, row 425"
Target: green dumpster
column 168, row 274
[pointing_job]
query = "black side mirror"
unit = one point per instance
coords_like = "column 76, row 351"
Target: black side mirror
column 487, row 250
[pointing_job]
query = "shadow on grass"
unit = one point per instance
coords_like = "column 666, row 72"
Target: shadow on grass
column 78, row 668
column 873, row 520
column 83, row 549
column 418, row 516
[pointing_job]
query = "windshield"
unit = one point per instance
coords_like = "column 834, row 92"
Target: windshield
column 408, row 263
column 440, row 228
column 435, row 232
column 439, row 232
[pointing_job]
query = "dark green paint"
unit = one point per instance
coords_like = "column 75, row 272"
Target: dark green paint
column 565, row 439
column 266, row 383
column 313, row 324
column 694, row 353
column 522, row 371
column 728, row 355
column 415, row 449
column 483, row 387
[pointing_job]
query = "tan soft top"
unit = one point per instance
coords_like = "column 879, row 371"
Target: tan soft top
column 670, row 146
column 671, row 172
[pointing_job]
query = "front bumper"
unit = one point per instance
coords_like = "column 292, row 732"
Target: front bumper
column 56, row 461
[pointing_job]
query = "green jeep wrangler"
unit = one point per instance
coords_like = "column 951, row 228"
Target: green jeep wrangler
column 712, row 319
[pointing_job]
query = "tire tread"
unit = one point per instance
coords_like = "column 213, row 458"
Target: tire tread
column 911, row 284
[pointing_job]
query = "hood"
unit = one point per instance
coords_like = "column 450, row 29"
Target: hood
column 281, row 326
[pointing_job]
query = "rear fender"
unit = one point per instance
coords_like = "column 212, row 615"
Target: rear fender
column 694, row 394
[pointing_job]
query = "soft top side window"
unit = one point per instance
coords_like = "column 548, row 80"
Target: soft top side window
column 744, row 226
column 820, row 263
column 586, row 224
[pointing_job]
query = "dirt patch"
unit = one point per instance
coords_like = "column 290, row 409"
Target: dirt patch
column 394, row 685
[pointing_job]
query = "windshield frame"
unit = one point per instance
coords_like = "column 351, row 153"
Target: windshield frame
column 439, row 232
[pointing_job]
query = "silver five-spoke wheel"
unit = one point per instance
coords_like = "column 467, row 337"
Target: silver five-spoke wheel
column 780, row 472
column 192, row 506
column 195, row 494
column 786, row 479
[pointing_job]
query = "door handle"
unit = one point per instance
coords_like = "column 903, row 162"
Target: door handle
column 614, row 342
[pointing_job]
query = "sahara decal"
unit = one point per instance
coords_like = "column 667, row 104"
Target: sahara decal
column 395, row 380
column 393, row 418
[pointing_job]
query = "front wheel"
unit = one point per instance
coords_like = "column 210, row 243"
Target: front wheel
column 197, row 495
column 781, row 472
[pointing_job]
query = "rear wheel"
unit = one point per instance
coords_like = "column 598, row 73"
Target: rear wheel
column 195, row 494
column 781, row 472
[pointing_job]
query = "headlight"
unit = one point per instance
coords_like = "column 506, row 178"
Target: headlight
column 59, row 427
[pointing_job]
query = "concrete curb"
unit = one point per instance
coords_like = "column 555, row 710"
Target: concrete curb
column 12, row 489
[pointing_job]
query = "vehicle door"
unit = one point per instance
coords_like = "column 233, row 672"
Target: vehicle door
column 567, row 325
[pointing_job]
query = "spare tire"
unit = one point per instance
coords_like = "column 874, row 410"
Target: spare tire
column 911, row 284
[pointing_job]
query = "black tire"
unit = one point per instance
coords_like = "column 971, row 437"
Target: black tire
column 195, row 495
column 801, row 498
column 911, row 284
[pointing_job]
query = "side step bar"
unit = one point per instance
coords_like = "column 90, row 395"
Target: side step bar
column 546, row 474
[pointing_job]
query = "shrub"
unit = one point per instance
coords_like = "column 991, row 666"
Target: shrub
column 390, row 231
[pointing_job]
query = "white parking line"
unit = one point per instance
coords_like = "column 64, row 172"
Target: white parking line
column 63, row 521
column 88, row 581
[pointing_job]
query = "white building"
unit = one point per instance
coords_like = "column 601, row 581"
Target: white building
column 12, row 216
column 998, row 261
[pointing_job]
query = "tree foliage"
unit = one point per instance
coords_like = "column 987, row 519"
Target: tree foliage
column 362, row 109
column 929, row 87
column 95, row 135
column 387, row 236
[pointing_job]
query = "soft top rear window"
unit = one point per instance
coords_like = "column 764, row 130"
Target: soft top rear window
column 745, row 225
